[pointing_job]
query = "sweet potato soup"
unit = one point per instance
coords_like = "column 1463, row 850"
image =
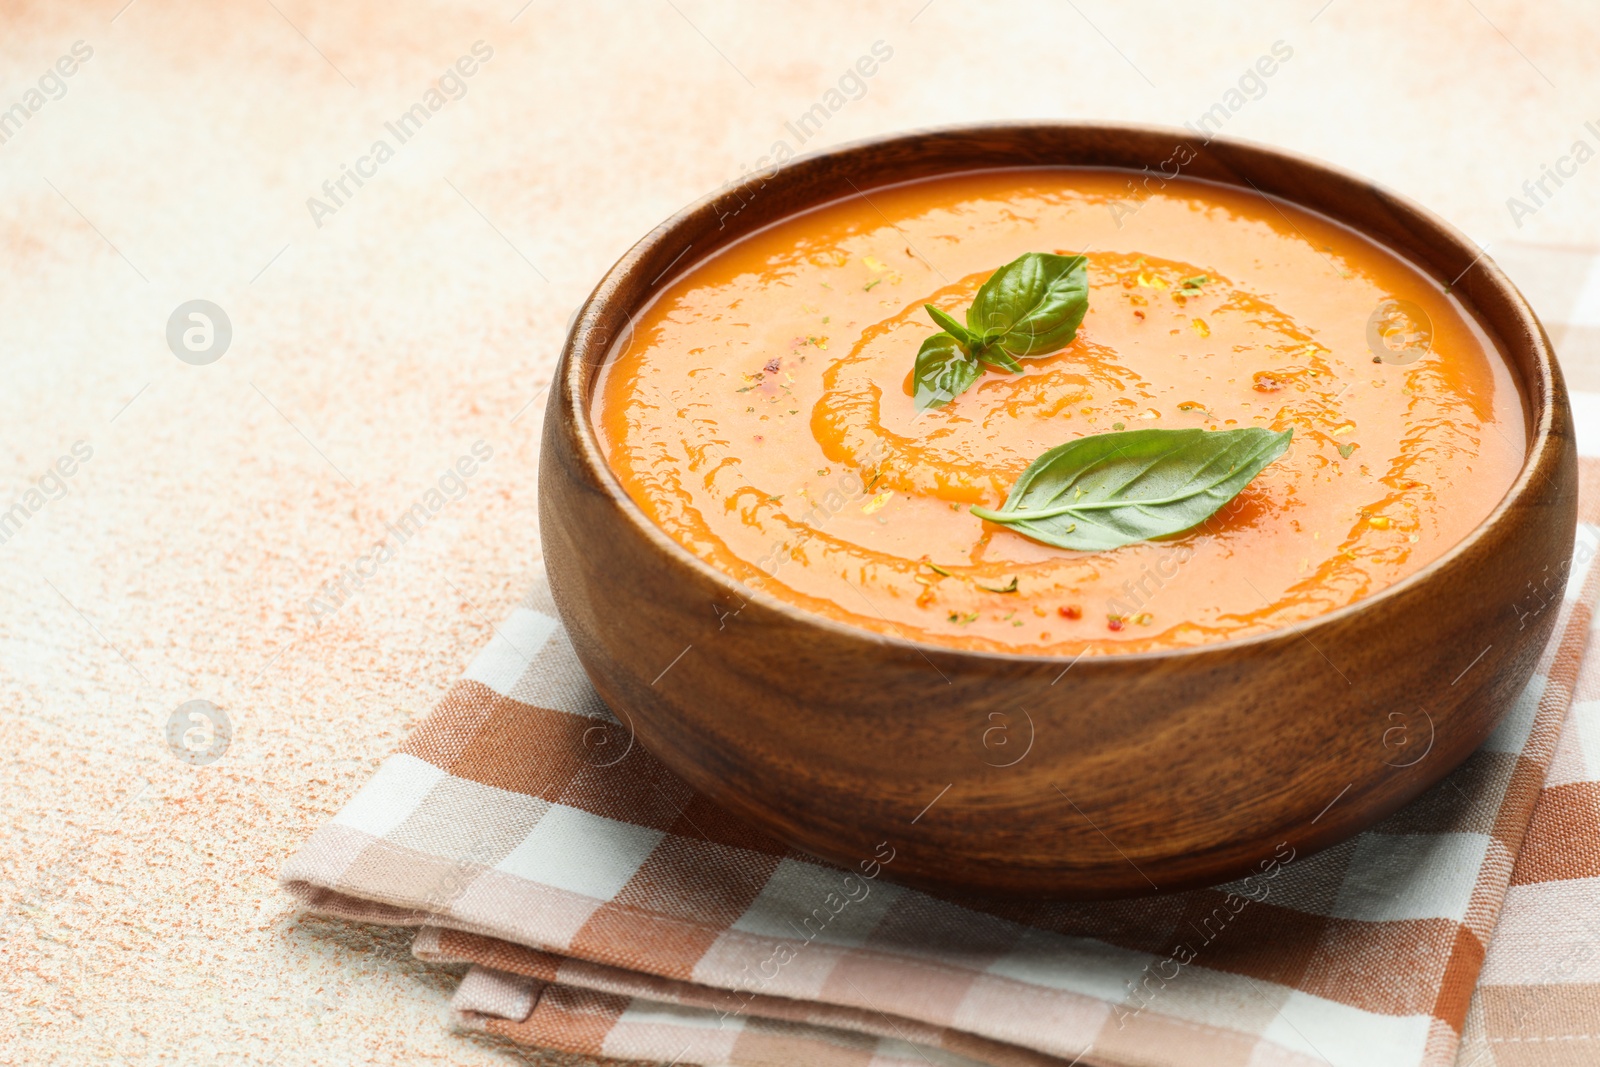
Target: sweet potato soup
column 764, row 411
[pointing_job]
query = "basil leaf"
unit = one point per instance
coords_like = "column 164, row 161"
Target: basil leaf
column 998, row 357
column 1029, row 307
column 943, row 372
column 1032, row 305
column 1112, row 489
column 949, row 325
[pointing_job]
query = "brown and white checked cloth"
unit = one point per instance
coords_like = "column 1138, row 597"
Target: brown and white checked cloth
column 610, row 911
column 1538, row 995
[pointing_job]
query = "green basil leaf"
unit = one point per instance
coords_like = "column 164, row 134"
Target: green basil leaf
column 996, row 356
column 1112, row 489
column 949, row 325
column 1032, row 305
column 943, row 372
column 1029, row 307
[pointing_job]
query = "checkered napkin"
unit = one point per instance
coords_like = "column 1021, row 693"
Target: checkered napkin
column 1538, row 996
column 609, row 910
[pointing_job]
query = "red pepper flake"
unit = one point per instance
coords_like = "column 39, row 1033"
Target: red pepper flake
column 1070, row 611
column 773, row 365
column 1113, row 622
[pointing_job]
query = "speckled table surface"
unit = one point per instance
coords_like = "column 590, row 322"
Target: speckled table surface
column 377, row 334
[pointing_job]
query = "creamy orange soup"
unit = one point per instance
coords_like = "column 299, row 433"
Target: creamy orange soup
column 761, row 412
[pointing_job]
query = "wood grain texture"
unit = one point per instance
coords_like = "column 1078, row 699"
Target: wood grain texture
column 1148, row 772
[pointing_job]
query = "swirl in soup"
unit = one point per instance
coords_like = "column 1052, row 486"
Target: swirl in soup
column 761, row 412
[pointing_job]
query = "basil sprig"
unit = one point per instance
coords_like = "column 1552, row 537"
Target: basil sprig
column 1030, row 307
column 1112, row 489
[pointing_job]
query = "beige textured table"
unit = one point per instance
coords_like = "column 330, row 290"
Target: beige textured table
column 377, row 334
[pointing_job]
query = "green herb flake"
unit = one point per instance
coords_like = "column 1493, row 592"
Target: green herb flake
column 1009, row 587
column 868, row 287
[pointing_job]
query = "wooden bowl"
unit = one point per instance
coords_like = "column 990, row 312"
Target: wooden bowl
column 1143, row 772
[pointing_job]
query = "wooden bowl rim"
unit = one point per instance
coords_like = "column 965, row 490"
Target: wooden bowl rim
column 579, row 367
